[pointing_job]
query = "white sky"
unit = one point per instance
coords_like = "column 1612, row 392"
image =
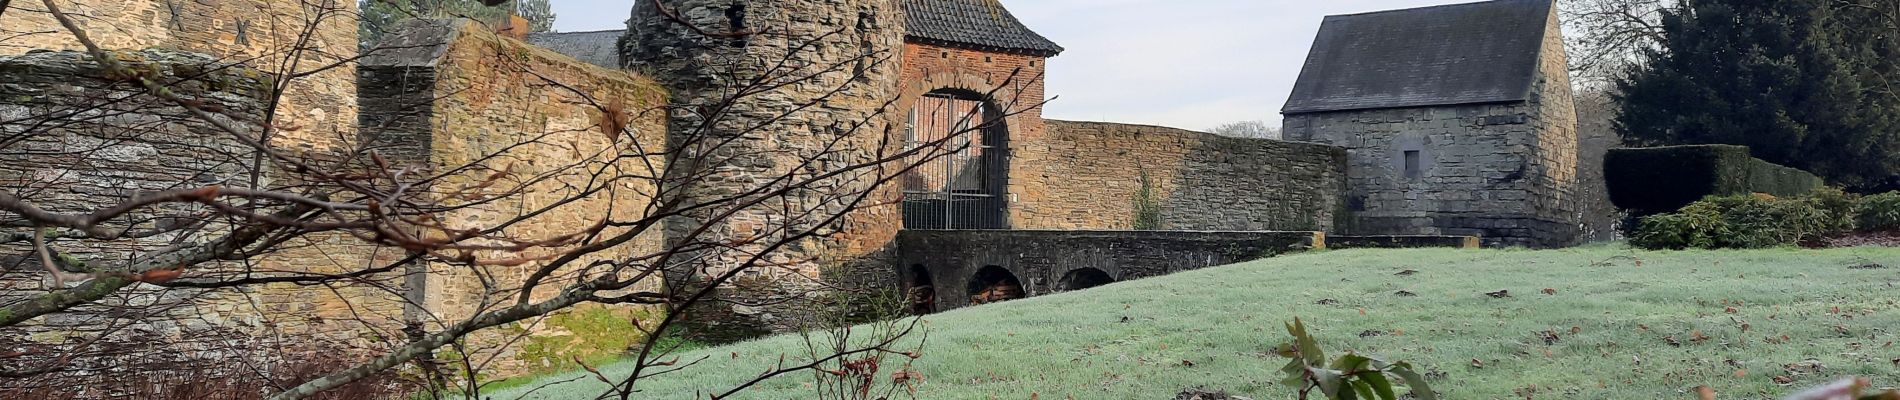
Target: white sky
column 1188, row 64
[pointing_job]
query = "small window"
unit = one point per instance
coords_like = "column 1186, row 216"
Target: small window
column 987, row 59
column 1411, row 164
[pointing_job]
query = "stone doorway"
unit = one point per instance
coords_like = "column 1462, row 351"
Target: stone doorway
column 964, row 186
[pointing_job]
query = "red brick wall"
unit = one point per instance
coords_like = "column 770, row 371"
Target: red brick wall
column 1015, row 85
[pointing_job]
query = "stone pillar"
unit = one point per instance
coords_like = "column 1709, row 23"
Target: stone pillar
column 837, row 63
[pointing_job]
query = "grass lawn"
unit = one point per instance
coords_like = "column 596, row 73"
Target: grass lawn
column 1626, row 326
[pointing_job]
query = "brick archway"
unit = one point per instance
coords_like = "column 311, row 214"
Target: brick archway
column 968, row 186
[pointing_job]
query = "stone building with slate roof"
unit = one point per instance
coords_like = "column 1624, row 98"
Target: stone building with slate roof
column 1458, row 120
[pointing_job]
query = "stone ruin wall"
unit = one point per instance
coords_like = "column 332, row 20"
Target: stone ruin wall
column 697, row 69
column 472, row 97
column 1505, row 172
column 477, row 97
column 254, row 33
column 1095, row 175
column 98, row 140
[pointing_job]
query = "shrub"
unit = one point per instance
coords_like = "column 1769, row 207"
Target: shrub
column 1693, row 227
column 1842, row 208
column 1880, row 212
column 1746, row 221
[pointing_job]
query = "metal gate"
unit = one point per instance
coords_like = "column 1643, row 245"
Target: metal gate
column 965, row 188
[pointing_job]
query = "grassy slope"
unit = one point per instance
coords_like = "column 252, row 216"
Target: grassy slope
column 1223, row 319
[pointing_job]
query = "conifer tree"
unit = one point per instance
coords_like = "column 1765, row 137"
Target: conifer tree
column 1802, row 83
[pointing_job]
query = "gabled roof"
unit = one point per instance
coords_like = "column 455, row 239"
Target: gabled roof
column 978, row 24
column 597, row 47
column 1454, row 54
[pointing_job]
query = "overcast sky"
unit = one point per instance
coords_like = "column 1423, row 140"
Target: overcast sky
column 1183, row 63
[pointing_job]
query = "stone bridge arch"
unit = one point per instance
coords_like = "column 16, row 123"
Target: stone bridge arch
column 1084, row 278
column 994, row 283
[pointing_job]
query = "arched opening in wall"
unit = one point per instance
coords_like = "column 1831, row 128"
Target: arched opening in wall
column 922, row 294
column 962, row 175
column 1084, row 278
column 993, row 284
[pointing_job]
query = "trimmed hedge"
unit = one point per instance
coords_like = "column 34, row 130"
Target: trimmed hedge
column 1663, row 179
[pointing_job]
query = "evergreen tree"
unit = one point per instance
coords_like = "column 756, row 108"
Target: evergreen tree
column 1802, row 83
column 379, row 16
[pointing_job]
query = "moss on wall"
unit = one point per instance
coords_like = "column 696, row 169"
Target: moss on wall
column 592, row 333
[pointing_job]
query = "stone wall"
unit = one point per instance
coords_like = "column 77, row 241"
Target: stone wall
column 87, row 139
column 1045, row 262
column 1095, row 174
column 259, row 34
column 467, row 102
column 1505, row 172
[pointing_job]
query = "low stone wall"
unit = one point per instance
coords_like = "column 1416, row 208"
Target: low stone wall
column 954, row 264
column 1400, row 242
column 1099, row 175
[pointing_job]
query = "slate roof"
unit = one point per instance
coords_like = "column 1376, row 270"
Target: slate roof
column 977, row 24
column 597, row 47
column 1454, row 54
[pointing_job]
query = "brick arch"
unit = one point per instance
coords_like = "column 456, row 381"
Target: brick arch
column 914, row 88
column 965, row 85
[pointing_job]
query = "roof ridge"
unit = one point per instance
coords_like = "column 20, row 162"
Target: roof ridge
column 1415, row 9
column 980, row 24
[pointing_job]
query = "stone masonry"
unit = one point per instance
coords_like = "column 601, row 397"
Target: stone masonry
column 460, row 95
column 844, row 56
column 97, row 139
column 1096, row 173
column 952, row 263
column 255, row 33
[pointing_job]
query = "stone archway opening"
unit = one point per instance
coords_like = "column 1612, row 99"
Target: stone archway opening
column 922, row 295
column 961, row 180
column 1084, row 278
column 993, row 284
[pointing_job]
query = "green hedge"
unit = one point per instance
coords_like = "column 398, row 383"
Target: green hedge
column 1737, row 222
column 1663, row 179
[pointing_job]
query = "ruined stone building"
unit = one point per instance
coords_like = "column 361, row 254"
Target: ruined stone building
column 1425, row 126
column 1457, row 120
